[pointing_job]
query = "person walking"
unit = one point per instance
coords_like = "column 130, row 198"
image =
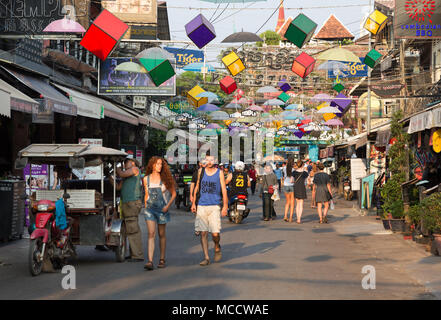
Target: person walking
column 211, row 194
column 269, row 184
column 322, row 192
column 278, row 173
column 157, row 181
column 300, row 175
column 253, row 179
column 131, row 205
column 288, row 188
column 311, row 184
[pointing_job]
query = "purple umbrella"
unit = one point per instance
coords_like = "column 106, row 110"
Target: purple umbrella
column 334, row 122
column 321, row 97
column 255, row 108
column 208, row 107
column 213, row 126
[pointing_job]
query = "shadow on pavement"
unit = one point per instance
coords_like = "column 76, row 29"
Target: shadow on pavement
column 220, row 291
column 251, row 266
column 324, row 230
column 320, row 258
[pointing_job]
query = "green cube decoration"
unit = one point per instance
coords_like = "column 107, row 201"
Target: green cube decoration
column 159, row 70
column 300, row 30
column 284, row 97
column 372, row 58
column 338, row 86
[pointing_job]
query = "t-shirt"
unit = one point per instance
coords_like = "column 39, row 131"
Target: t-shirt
column 278, row 173
column 321, row 179
column 287, row 180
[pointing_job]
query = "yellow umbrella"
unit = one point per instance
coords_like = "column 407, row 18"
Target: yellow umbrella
column 326, row 116
column 338, row 54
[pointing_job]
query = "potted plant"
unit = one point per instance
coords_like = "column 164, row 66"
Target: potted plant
column 393, row 205
column 431, row 218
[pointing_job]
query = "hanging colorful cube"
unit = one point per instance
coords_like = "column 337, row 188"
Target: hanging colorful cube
column 342, row 103
column 338, row 86
column 228, row 85
column 233, row 63
column 375, row 22
column 300, row 30
column 104, row 34
column 193, row 98
column 159, row 69
column 284, row 86
column 284, row 97
column 372, row 58
column 303, row 65
column 200, row 31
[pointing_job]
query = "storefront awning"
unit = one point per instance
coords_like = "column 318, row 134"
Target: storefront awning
column 428, row 119
column 113, row 111
column 18, row 100
column 87, row 105
column 52, row 98
column 5, row 103
column 143, row 120
column 157, row 125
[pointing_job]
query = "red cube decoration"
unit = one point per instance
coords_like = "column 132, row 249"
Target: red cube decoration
column 228, row 85
column 303, row 65
column 104, row 34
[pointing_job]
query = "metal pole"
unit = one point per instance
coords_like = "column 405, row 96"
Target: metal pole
column 114, row 185
column 368, row 120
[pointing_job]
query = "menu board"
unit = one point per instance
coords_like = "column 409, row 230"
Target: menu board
column 358, row 170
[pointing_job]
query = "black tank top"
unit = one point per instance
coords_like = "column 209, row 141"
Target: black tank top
column 239, row 183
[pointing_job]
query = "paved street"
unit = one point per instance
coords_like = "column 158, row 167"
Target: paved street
column 261, row 260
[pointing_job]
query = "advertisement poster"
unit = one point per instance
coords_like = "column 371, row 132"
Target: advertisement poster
column 113, row 82
column 38, row 179
column 185, row 56
column 129, row 149
column 353, row 70
column 89, row 173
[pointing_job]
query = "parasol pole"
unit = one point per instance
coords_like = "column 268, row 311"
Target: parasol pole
column 368, row 120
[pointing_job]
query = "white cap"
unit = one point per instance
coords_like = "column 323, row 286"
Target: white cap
column 239, row 166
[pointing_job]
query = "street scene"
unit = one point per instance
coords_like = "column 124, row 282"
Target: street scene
column 220, row 150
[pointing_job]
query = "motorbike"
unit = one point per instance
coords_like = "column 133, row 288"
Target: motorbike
column 180, row 197
column 238, row 208
column 347, row 190
column 47, row 241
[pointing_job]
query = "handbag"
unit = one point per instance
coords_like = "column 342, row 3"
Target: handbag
column 270, row 187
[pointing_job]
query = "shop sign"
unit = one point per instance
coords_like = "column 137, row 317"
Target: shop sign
column 139, row 102
column 89, row 173
column 417, row 19
column 36, row 178
column 184, row 56
column 353, row 70
column 387, row 89
column 143, row 32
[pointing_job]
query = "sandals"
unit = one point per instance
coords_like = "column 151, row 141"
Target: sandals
column 325, row 219
column 299, row 222
column 217, row 255
column 161, row 263
column 149, row 266
column 205, row 263
column 285, row 219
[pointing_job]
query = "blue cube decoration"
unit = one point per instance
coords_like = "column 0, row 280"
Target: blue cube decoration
column 284, row 86
column 200, row 31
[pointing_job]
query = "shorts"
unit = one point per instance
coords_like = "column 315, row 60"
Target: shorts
column 156, row 215
column 288, row 189
column 208, row 219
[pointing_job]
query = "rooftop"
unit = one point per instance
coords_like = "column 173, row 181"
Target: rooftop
column 332, row 30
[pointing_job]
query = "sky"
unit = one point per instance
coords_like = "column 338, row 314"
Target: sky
column 180, row 12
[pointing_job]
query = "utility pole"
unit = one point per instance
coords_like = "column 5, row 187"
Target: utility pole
column 368, row 118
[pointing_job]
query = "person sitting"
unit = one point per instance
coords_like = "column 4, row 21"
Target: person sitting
column 238, row 181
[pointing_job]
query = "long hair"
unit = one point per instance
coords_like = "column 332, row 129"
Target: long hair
column 166, row 176
column 289, row 166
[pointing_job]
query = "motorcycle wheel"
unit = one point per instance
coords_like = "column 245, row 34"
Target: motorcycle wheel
column 120, row 249
column 35, row 267
column 178, row 203
column 238, row 219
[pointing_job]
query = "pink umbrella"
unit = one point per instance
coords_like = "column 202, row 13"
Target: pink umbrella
column 321, row 97
column 213, row 126
column 255, row 108
column 64, row 25
column 334, row 122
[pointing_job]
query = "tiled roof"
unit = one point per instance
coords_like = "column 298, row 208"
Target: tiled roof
column 333, row 29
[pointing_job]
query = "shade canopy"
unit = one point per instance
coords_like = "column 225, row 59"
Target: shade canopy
column 242, row 37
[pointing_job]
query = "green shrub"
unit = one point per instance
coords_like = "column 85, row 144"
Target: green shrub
column 429, row 212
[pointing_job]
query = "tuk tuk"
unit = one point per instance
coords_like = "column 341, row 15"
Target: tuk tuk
column 90, row 209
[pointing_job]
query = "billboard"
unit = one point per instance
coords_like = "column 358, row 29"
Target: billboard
column 417, row 19
column 133, row 11
column 184, row 56
column 24, row 17
column 113, row 82
column 354, row 70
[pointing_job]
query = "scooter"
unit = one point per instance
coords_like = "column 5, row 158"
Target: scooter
column 180, row 196
column 47, row 241
column 238, row 209
column 347, row 190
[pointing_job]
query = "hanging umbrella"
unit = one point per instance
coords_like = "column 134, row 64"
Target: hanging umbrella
column 213, row 126
column 334, row 122
column 329, row 110
column 242, row 37
column 267, row 89
column 292, row 107
column 233, row 106
column 219, row 115
column 291, row 113
column 155, row 53
column 208, row 132
column 197, row 67
column 208, row 107
column 274, row 102
column 212, row 97
column 64, row 25
column 335, row 66
column 131, row 67
column 255, row 108
column 321, row 97
column 338, row 54
column 242, row 101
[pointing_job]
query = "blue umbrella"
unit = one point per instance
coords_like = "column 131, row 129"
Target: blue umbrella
column 197, row 67
column 208, row 107
column 292, row 107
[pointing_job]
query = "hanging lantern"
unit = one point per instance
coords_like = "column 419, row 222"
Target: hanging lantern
column 372, row 58
column 375, row 22
column 233, row 63
column 200, row 31
column 228, row 85
column 193, row 98
column 104, row 34
column 300, row 30
column 284, row 97
column 303, row 65
column 159, row 69
column 284, row 86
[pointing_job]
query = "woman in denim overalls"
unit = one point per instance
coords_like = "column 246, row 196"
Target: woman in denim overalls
column 157, row 181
